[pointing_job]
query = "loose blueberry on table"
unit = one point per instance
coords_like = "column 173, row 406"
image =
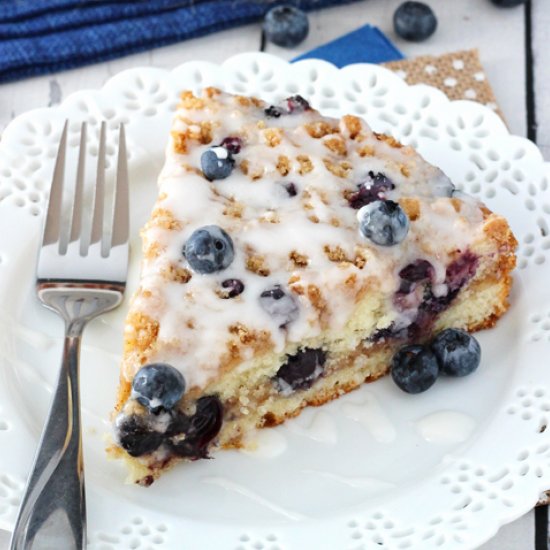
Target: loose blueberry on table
column 285, row 26
column 209, row 249
column 414, row 21
column 383, row 222
column 458, row 353
column 414, row 368
column 217, row 163
column 158, row 387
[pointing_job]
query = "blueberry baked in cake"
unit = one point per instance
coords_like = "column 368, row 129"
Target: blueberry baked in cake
column 287, row 258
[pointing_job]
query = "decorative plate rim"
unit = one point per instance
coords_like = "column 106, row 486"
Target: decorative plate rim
column 417, row 115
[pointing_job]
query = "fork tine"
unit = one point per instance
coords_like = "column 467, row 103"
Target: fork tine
column 98, row 206
column 121, row 220
column 53, row 217
column 78, row 191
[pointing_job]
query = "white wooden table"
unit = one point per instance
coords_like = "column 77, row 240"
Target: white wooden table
column 506, row 38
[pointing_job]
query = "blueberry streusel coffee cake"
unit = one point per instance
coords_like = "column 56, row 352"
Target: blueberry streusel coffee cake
column 287, row 257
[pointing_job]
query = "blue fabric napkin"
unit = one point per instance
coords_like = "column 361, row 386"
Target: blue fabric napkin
column 365, row 45
column 39, row 37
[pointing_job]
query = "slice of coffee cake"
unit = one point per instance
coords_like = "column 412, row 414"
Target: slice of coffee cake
column 286, row 259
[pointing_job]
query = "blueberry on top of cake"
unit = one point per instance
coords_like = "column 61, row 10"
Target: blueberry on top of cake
column 287, row 257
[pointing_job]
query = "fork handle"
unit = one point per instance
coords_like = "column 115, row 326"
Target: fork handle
column 53, row 511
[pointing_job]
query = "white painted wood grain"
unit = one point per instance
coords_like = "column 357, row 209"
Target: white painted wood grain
column 541, row 53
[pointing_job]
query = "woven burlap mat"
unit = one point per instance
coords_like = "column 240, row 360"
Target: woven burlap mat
column 459, row 75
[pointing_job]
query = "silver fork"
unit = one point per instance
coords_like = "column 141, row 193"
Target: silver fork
column 80, row 275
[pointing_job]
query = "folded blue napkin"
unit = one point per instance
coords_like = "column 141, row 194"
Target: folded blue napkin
column 40, row 37
column 365, row 45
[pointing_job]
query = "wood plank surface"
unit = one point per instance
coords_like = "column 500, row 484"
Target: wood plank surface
column 540, row 23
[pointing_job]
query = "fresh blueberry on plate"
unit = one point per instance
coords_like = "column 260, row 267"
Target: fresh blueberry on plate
column 414, row 368
column 414, row 21
column 285, row 26
column 458, row 353
column 209, row 249
column 158, row 386
column 383, row 222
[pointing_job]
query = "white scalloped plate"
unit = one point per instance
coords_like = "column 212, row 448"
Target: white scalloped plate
column 376, row 469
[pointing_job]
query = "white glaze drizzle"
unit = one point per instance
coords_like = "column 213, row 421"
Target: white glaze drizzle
column 445, row 427
column 265, row 444
column 195, row 202
column 316, row 425
column 369, row 413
